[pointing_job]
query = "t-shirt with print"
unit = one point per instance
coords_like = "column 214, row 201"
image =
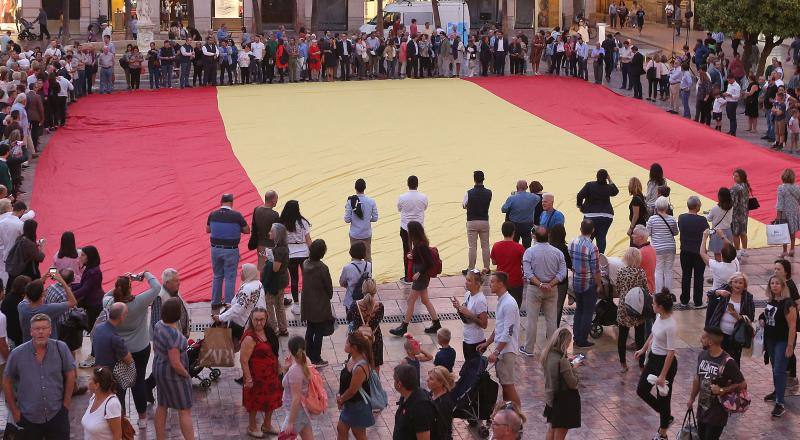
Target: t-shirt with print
column 710, row 370
column 507, row 255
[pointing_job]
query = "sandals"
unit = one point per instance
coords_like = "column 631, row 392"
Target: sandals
column 255, row 434
column 269, row 430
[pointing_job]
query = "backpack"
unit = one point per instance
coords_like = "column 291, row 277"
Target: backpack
column 377, row 398
column 638, row 303
column 316, row 401
column 355, row 205
column 436, row 268
column 364, row 275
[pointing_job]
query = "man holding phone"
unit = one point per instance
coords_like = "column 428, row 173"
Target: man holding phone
column 36, row 304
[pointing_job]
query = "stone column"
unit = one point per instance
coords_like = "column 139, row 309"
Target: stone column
column 355, row 14
column 248, row 16
column 88, row 11
column 202, row 16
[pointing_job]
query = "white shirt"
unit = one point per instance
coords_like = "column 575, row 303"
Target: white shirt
column 297, row 240
column 412, row 206
column 664, row 335
column 721, row 272
column 506, row 327
column 66, row 86
column 476, row 304
column 727, row 323
column 31, row 80
column 52, row 52
column 107, row 31
column 10, row 229
column 257, row 48
column 500, row 47
column 718, row 103
column 734, row 92
column 95, row 424
column 214, row 54
column 625, row 54
column 244, row 59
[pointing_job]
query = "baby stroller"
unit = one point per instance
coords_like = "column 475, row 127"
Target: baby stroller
column 605, row 312
column 475, row 394
column 195, row 368
column 25, row 30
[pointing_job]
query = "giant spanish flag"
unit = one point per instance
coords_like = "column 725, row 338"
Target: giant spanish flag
column 136, row 174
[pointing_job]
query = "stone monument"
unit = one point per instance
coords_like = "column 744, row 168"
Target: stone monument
column 145, row 36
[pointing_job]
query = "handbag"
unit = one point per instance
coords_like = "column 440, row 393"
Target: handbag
column 752, row 204
column 217, row 349
column 743, row 333
column 758, row 343
column 70, row 330
column 688, row 429
column 778, row 233
column 329, row 326
column 124, row 374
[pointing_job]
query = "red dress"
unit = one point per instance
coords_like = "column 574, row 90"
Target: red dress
column 314, row 56
column 266, row 392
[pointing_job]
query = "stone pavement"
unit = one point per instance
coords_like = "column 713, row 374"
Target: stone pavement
column 610, row 407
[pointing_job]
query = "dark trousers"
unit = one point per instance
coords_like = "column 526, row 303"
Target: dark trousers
column 626, row 68
column 703, row 112
column 269, row 70
column 555, row 65
column 245, row 74
column 60, row 110
column 523, row 231
column 584, row 311
column 583, row 71
column 314, row 341
column 484, row 68
column 406, row 250
column 36, row 131
column 636, row 82
column 660, row 404
column 500, row 63
column 139, row 390
column 412, row 67
column 294, row 266
column 225, row 68
column 609, row 65
column 709, row 432
column 56, row 428
column 638, row 337
column 197, row 75
column 136, row 78
column 562, row 296
column 425, row 66
column 652, row 87
column 211, row 74
column 516, row 293
column 470, row 350
column 598, row 71
column 732, row 348
column 730, row 110
column 573, row 65
column 344, row 62
column 43, row 31
column 692, row 266
column 601, row 227
column 89, row 73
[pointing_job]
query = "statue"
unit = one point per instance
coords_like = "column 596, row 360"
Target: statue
column 145, row 35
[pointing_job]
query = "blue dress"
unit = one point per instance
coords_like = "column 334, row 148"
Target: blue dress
column 174, row 391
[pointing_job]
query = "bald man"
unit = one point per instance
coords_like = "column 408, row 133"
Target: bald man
column 107, row 345
column 506, row 425
column 550, row 215
column 519, row 209
column 263, row 218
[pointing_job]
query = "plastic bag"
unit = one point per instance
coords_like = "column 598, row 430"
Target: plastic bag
column 758, row 343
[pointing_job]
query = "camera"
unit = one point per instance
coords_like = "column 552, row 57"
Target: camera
column 136, row 277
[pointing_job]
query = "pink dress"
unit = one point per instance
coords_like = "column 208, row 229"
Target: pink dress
column 403, row 52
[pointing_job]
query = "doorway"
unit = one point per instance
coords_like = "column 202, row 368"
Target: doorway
column 277, row 12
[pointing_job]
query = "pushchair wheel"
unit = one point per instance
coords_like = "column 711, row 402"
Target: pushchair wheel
column 483, row 431
column 215, row 374
column 205, row 384
column 596, row 331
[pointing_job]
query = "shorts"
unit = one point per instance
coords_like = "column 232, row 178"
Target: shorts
column 780, row 128
column 716, row 116
column 357, row 414
column 506, row 368
column 421, row 283
column 300, row 421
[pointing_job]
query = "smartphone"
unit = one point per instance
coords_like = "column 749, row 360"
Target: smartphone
column 53, row 271
column 578, row 359
column 136, row 277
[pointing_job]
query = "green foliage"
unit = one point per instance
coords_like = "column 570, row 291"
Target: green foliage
column 779, row 18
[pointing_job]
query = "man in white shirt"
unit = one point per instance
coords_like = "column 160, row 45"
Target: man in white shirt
column 257, row 48
column 53, row 51
column 11, row 221
column 411, row 206
column 732, row 96
column 625, row 57
column 582, row 51
column 506, row 334
column 65, row 86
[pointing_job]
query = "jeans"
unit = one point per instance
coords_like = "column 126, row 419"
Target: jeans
column 139, row 390
column 664, row 263
column 584, row 311
column 314, row 341
column 390, row 68
column 155, row 74
column 692, row 266
column 730, row 110
column 601, row 227
column 622, row 340
column 80, row 84
column 183, row 81
column 538, row 299
column 475, row 229
column 770, row 134
column 583, row 72
column 687, row 112
column 523, row 231
column 56, row 428
column 626, row 68
column 777, row 357
column 106, row 75
column 294, row 265
column 166, row 75
column 660, row 404
column 224, row 263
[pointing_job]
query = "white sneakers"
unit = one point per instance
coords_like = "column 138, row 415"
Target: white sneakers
column 87, row 363
column 296, row 309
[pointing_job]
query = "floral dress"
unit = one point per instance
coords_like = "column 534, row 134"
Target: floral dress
column 789, row 206
column 628, row 278
column 740, row 195
column 374, row 322
column 266, row 393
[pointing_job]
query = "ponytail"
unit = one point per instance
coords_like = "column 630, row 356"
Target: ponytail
column 300, row 358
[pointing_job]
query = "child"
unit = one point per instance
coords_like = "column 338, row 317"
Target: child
column 794, row 130
column 716, row 110
column 415, row 354
column 446, row 356
column 779, row 118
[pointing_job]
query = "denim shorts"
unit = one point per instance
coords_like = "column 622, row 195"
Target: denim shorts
column 300, row 421
column 357, row 414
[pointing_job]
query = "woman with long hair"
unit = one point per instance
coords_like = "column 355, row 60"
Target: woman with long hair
column 421, row 260
column 629, row 277
column 103, row 417
column 661, row 361
column 366, row 316
column 16, row 293
column 561, row 398
column 638, row 211
column 732, row 305
column 594, row 201
column 355, row 414
column 751, row 102
column 783, row 269
column 274, row 279
column 298, row 238
column 295, row 388
column 779, row 321
column 67, row 256
column 440, row 382
column 655, row 180
column 720, row 218
column 89, row 292
column 740, row 194
column 27, row 253
column 474, row 313
column 261, row 390
column 316, row 301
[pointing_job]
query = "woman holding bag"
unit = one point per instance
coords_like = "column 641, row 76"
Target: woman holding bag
column 788, row 207
column 274, row 279
column 315, row 302
column 369, row 310
column 732, row 307
column 261, row 390
column 561, row 398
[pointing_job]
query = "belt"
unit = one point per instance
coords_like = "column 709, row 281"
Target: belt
column 219, row 246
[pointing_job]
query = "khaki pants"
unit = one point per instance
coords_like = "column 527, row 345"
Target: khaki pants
column 674, row 96
column 276, row 315
column 367, row 242
column 538, row 299
column 475, row 229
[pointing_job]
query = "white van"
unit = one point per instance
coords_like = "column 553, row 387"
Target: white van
column 453, row 14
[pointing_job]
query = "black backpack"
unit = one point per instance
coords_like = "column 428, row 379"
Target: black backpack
column 364, row 275
column 355, row 204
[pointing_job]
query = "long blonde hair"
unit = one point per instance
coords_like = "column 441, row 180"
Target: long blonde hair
column 784, row 289
column 444, row 376
column 559, row 341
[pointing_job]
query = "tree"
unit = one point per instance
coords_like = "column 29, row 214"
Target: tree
column 437, row 20
column 379, row 24
column 776, row 20
column 504, row 19
column 65, row 20
column 257, row 16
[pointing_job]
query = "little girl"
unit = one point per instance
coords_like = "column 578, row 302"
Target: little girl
column 716, row 110
column 415, row 354
column 794, row 130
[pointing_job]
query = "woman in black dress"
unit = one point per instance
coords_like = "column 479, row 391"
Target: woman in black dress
column 561, row 397
column 751, row 102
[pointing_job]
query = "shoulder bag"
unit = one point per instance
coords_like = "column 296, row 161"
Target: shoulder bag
column 736, row 401
column 752, row 202
column 124, row 374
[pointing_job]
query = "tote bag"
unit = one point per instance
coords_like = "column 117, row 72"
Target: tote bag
column 217, row 349
column 778, row 233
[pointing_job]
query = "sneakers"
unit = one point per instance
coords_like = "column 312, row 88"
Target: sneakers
column 320, row 363
column 770, row 397
column 296, row 309
column 700, row 307
column 526, row 352
column 403, row 281
column 778, row 411
column 434, row 327
column 792, row 383
column 586, row 345
column 87, row 363
column 287, row 301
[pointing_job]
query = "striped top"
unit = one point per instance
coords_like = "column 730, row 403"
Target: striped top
column 662, row 229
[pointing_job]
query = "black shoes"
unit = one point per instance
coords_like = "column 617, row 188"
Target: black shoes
column 434, row 327
column 400, row 330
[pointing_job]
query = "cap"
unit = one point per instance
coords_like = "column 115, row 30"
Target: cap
column 226, row 198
